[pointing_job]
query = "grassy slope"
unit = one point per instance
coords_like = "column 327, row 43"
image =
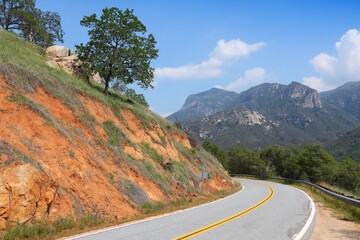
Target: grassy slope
column 25, row 69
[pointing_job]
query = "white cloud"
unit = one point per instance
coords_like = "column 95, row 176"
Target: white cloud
column 338, row 69
column 324, row 64
column 251, row 78
column 317, row 83
column 224, row 52
column 234, row 49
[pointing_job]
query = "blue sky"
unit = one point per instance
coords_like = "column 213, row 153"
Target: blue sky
column 234, row 45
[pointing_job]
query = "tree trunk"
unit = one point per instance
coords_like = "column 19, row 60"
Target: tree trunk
column 106, row 90
column 107, row 81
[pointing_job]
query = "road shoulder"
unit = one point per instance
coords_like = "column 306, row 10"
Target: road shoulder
column 329, row 227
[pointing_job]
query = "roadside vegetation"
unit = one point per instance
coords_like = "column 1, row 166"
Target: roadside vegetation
column 344, row 211
column 310, row 163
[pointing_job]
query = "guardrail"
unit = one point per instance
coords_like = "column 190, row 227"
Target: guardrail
column 347, row 200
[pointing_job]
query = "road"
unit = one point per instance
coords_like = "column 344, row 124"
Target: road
column 262, row 210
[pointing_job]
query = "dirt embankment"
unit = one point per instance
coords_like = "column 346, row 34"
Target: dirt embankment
column 52, row 164
column 329, row 227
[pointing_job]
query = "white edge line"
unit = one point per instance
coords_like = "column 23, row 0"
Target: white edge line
column 308, row 223
column 151, row 218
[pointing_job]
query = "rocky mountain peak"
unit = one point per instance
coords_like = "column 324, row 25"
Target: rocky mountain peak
column 303, row 95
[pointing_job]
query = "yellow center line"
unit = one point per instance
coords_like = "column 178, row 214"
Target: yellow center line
column 228, row 219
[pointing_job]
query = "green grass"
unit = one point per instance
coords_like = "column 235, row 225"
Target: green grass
column 116, row 137
column 344, row 192
column 343, row 210
column 152, row 153
column 152, row 207
column 182, row 173
column 47, row 229
column 151, row 172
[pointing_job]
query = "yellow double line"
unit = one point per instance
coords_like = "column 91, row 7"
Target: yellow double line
column 228, row 219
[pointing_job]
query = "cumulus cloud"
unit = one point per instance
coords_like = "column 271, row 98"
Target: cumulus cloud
column 234, row 49
column 224, row 52
column 338, row 69
column 251, row 78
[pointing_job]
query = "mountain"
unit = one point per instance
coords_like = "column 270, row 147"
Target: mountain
column 273, row 113
column 204, row 104
column 66, row 149
column 345, row 98
column 269, row 95
column 346, row 146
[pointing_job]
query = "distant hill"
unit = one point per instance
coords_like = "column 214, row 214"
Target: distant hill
column 204, row 104
column 272, row 113
column 346, row 146
column 345, row 98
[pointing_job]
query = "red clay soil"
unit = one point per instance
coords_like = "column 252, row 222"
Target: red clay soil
column 77, row 171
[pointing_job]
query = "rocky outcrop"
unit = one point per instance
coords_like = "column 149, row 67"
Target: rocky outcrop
column 25, row 194
column 64, row 58
column 303, row 95
column 238, row 116
column 56, row 51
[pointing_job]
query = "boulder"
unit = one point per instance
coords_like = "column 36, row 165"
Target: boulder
column 26, row 194
column 58, row 51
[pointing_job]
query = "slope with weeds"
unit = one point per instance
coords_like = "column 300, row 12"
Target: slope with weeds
column 88, row 154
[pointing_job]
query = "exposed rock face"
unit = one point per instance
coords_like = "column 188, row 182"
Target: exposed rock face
column 303, row 95
column 25, row 194
column 238, row 116
column 63, row 58
column 59, row 51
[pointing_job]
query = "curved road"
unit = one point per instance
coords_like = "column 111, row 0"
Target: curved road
column 262, row 210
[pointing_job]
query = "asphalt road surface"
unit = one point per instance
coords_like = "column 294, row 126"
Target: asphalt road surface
column 262, row 210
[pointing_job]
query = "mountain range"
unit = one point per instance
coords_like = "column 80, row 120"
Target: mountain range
column 272, row 113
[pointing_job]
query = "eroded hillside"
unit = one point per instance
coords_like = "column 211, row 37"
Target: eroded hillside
column 66, row 149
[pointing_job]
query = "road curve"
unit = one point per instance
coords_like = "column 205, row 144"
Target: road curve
column 262, row 210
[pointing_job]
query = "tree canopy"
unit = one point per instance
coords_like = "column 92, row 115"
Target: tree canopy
column 217, row 152
column 309, row 162
column 118, row 49
column 34, row 25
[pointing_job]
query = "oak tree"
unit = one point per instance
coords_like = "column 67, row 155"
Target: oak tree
column 32, row 24
column 118, row 49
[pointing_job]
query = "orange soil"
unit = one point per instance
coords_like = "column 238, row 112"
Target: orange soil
column 76, row 169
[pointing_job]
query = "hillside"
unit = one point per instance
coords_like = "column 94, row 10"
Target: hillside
column 346, row 146
column 273, row 113
column 345, row 98
column 68, row 150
